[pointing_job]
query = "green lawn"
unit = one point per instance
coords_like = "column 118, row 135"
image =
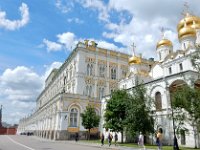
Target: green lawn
column 135, row 145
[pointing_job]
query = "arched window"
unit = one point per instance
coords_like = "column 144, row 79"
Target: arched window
column 101, row 92
column 88, row 69
column 73, row 117
column 101, row 71
column 91, row 68
column 113, row 73
column 90, row 91
column 65, row 80
column 158, row 101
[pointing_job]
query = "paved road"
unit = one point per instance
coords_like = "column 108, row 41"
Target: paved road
column 22, row 142
column 18, row 142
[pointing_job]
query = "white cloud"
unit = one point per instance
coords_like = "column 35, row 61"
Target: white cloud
column 68, row 39
column 15, row 24
column 52, row 46
column 20, row 84
column 97, row 5
column 139, row 21
column 20, row 88
column 49, row 68
column 75, row 20
column 64, row 6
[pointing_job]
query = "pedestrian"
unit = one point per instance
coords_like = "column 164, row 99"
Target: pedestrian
column 76, row 137
column 159, row 139
column 141, row 141
column 109, row 139
column 116, row 138
column 102, row 139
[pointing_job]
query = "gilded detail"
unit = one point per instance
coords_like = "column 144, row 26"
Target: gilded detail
column 101, row 83
column 90, row 60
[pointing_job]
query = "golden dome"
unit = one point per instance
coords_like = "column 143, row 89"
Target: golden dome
column 163, row 42
column 188, row 20
column 186, row 32
column 195, row 26
column 134, row 60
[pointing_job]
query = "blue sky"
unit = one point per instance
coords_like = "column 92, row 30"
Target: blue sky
column 36, row 36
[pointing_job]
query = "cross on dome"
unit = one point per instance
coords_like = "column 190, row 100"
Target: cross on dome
column 162, row 30
column 185, row 11
column 133, row 46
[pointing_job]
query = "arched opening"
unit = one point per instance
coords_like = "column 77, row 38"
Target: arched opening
column 74, row 117
column 158, row 101
column 178, row 84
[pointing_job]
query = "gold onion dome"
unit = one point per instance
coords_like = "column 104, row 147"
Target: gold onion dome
column 186, row 32
column 191, row 21
column 163, row 42
column 134, row 60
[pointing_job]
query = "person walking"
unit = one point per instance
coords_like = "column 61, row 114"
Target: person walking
column 76, row 137
column 116, row 139
column 102, row 139
column 159, row 137
column 109, row 139
column 141, row 141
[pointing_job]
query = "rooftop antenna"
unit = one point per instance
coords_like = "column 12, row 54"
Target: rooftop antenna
column 133, row 45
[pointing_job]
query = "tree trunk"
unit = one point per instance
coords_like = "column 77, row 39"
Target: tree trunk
column 122, row 137
column 89, row 134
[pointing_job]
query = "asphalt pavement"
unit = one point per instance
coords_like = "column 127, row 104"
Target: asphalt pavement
column 23, row 142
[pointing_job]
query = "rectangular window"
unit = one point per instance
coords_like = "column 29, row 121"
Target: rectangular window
column 113, row 73
column 181, row 66
column 101, row 71
column 170, row 70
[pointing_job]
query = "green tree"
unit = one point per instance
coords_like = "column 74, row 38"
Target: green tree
column 90, row 119
column 139, row 116
column 186, row 105
column 115, row 111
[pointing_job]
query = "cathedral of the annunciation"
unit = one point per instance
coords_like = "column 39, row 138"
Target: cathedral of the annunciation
column 91, row 73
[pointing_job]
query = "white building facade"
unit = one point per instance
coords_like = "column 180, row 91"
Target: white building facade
column 162, row 77
column 84, row 78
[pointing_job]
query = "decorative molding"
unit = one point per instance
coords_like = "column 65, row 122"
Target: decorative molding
column 89, row 80
column 101, row 83
column 102, row 62
column 113, row 84
column 90, row 60
column 102, row 51
column 113, row 54
column 112, row 64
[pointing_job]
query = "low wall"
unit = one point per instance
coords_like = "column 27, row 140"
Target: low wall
column 8, row 131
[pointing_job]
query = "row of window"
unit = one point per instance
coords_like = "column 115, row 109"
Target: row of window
column 89, row 91
column 102, row 71
column 180, row 68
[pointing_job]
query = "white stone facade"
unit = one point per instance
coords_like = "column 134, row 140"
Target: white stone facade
column 160, row 77
column 88, row 74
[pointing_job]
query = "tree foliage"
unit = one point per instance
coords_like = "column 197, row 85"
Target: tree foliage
column 186, row 102
column 115, row 111
column 130, row 112
column 139, row 118
column 90, row 119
